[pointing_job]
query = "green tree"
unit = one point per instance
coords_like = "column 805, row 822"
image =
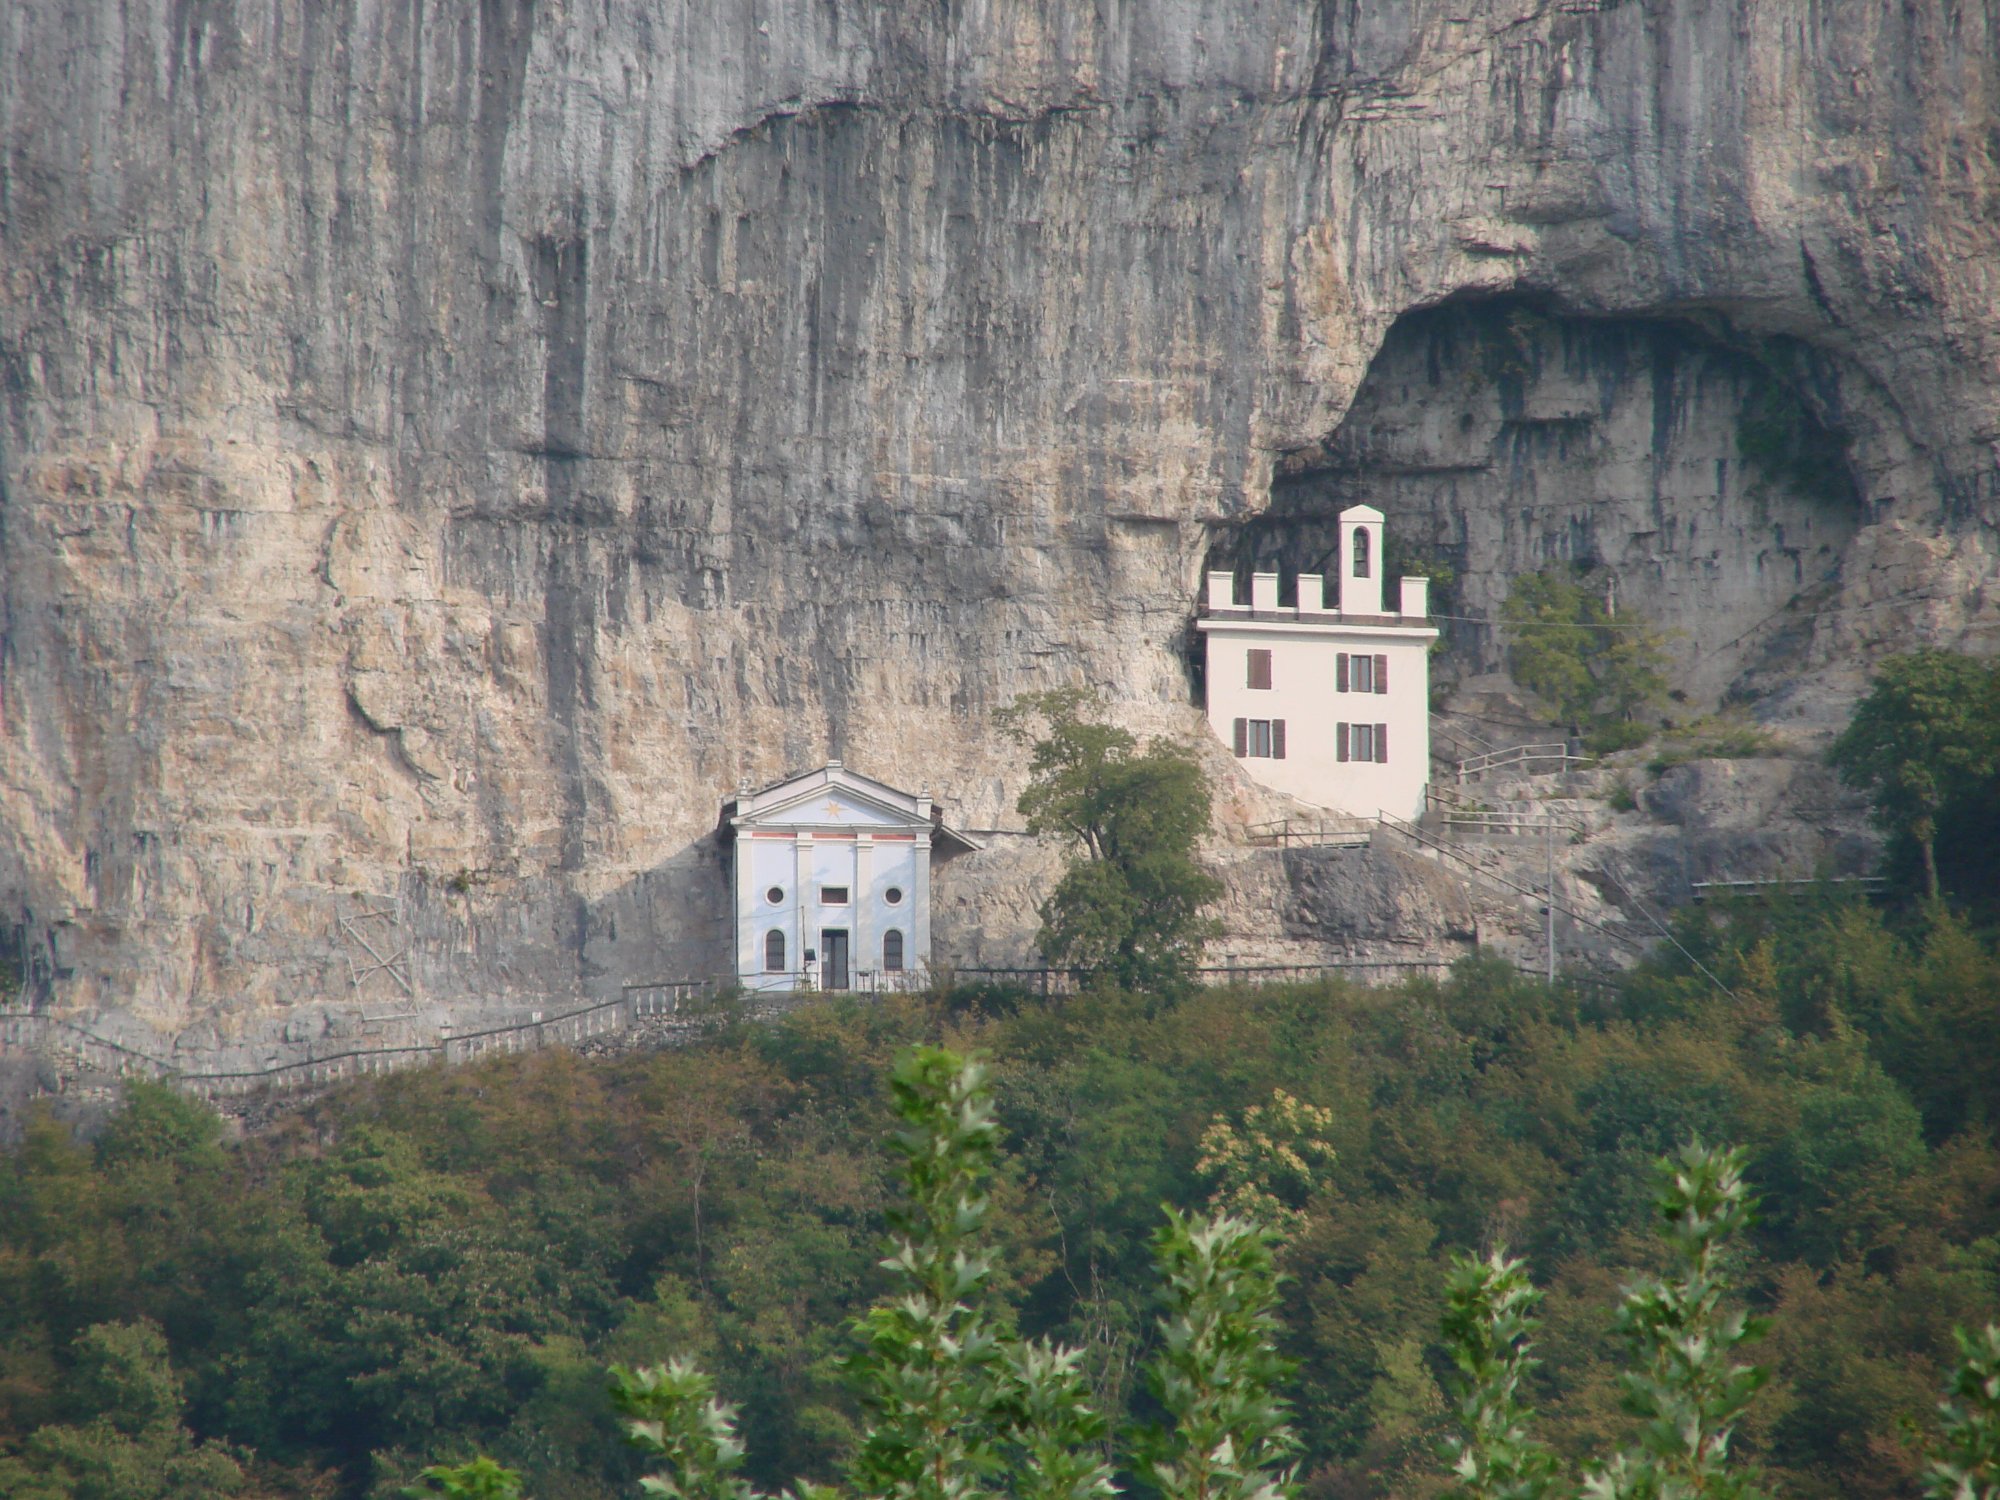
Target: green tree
column 958, row 1407
column 1966, row 1465
column 479, row 1479
column 1265, row 1169
column 127, row 1442
column 1488, row 1323
column 1688, row 1389
column 1129, row 905
column 930, row 1371
column 954, row 1402
column 1563, row 644
column 671, row 1412
column 1925, row 739
column 1217, row 1373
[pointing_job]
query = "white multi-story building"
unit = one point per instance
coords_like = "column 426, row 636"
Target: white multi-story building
column 1327, row 699
column 832, row 874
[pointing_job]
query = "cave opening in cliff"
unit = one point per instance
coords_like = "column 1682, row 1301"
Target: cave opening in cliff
column 1696, row 476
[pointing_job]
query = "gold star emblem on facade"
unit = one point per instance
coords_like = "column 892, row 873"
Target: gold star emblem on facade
column 832, row 809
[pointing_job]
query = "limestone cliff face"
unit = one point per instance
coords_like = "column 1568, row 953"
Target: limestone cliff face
column 444, row 449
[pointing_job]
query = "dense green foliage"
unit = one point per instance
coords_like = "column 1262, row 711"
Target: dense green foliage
column 1488, row 1321
column 958, row 1406
column 1687, row 1388
column 1925, row 744
column 1685, row 1385
column 1782, row 440
column 1216, row 1374
column 443, row 1263
column 476, row 1479
column 1597, row 671
column 124, row 1439
column 1129, row 905
column 1967, row 1467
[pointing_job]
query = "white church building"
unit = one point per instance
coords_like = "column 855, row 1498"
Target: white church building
column 1327, row 699
column 832, row 880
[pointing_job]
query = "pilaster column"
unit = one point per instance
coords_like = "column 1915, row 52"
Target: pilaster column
column 749, row 960
column 865, row 956
column 920, row 900
column 802, row 904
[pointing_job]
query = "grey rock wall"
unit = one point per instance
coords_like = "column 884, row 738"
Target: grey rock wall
column 444, row 449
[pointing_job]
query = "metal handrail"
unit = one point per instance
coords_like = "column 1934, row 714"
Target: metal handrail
column 1285, row 832
column 636, row 1000
column 1493, row 760
column 1510, row 822
column 1702, row 889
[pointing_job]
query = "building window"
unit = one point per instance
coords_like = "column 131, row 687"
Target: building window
column 774, row 952
column 775, row 895
column 1361, row 552
column 1263, row 739
column 1260, row 669
column 894, row 895
column 1362, row 742
column 833, row 895
column 892, row 950
column 1360, row 674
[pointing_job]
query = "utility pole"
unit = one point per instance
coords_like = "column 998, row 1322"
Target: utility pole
column 1549, row 842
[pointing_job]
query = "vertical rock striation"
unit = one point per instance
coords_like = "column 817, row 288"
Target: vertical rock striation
column 444, row 449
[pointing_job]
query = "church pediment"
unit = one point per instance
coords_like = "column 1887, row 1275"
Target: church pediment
column 836, row 800
column 830, row 808
column 832, row 798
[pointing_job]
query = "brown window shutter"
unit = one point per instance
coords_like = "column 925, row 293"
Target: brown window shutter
column 1242, row 738
column 1340, row 673
column 1277, row 739
column 1381, row 674
column 1382, row 743
column 1260, row 669
column 1340, row 742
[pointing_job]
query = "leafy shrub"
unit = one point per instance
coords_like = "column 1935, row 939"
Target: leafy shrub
column 1728, row 742
column 1925, row 744
column 1564, row 645
column 1128, row 907
column 1785, row 442
column 957, row 1402
column 1618, row 734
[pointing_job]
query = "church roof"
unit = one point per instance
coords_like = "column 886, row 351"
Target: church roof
column 834, row 799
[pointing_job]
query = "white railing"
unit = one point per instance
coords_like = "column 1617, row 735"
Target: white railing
column 1504, row 821
column 1289, row 833
column 1555, row 756
column 52, row 1035
column 45, row 1035
column 1868, row 885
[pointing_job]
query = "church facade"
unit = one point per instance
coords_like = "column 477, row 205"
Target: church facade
column 832, row 880
column 1327, row 698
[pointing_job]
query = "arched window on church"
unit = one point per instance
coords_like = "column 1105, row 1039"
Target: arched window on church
column 1361, row 552
column 774, row 951
column 892, row 950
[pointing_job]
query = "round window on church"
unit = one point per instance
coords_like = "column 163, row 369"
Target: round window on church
column 894, row 895
column 775, row 895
